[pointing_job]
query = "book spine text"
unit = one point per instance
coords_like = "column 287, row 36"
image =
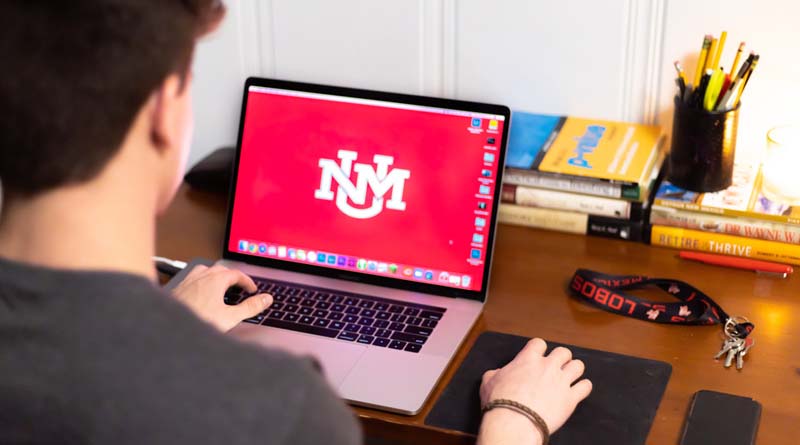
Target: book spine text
column 551, row 199
column 748, row 228
column 569, row 222
column 535, row 179
column 687, row 239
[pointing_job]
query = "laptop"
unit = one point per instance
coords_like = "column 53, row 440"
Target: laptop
column 370, row 217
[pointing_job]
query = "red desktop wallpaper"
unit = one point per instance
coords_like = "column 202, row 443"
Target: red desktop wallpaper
column 440, row 162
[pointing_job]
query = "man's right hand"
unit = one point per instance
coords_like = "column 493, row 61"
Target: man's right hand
column 203, row 292
column 542, row 383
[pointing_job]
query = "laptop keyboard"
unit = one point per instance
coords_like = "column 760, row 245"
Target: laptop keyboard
column 344, row 316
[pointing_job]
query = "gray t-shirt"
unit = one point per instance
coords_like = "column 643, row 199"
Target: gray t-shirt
column 109, row 358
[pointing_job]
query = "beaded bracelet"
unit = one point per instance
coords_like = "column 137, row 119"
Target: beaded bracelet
column 537, row 420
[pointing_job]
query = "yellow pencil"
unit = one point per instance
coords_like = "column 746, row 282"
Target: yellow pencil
column 718, row 54
column 712, row 53
column 679, row 69
column 701, row 60
column 736, row 60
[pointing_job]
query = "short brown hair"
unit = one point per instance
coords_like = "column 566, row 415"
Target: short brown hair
column 76, row 73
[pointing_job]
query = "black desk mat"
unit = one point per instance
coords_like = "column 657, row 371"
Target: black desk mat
column 626, row 393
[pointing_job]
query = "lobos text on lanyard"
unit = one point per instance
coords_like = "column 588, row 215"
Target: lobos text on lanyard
column 695, row 307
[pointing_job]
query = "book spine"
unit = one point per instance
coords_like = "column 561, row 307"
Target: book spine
column 615, row 228
column 569, row 222
column 530, row 178
column 748, row 228
column 657, row 156
column 549, row 219
column 551, row 199
column 687, row 239
column 693, row 207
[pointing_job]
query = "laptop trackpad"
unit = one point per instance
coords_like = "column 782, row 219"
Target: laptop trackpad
column 336, row 357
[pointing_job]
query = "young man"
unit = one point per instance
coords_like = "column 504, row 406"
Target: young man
column 93, row 140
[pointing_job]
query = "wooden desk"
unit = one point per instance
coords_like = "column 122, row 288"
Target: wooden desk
column 528, row 297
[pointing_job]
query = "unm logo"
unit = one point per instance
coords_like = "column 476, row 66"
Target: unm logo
column 379, row 179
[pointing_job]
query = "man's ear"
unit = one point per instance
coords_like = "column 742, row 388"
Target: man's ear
column 168, row 108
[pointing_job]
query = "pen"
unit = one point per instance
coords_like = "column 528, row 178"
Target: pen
column 713, row 89
column 726, row 102
column 700, row 91
column 782, row 270
column 746, row 79
column 725, row 85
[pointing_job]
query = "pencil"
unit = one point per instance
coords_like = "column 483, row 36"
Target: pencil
column 701, row 60
column 736, row 60
column 712, row 53
column 679, row 69
column 720, row 47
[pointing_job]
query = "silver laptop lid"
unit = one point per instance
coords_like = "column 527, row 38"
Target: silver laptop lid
column 395, row 190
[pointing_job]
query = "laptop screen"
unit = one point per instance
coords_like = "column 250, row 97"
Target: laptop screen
column 367, row 186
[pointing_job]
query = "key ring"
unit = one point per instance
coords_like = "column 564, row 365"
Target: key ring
column 731, row 324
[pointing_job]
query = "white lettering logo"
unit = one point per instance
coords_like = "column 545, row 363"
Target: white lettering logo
column 380, row 180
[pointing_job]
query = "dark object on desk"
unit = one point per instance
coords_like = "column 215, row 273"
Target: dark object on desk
column 622, row 406
column 703, row 148
column 212, row 173
column 178, row 277
column 167, row 269
column 719, row 418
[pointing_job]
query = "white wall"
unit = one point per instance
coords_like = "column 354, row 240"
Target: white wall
column 596, row 58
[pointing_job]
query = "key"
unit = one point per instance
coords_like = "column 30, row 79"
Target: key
column 417, row 330
column 411, row 347
column 727, row 346
column 429, row 323
column 409, row 338
column 411, row 311
column 432, row 315
column 349, row 336
column 732, row 353
column 748, row 343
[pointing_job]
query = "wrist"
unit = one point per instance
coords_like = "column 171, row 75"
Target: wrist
column 502, row 426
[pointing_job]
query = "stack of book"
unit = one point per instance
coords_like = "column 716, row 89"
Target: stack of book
column 581, row 176
column 737, row 221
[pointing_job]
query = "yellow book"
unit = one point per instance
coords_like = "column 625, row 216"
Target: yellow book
column 602, row 149
column 686, row 239
column 539, row 143
column 743, row 199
